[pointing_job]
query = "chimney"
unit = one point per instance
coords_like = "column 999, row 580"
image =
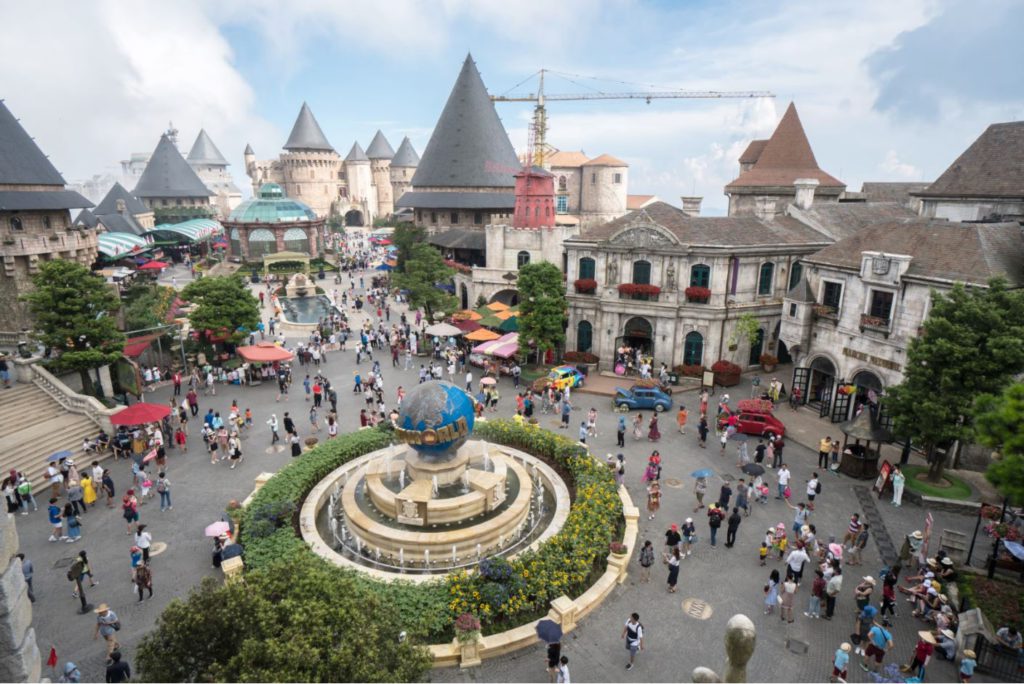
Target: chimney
column 805, row 192
column 765, row 208
column 691, row 205
column 121, row 206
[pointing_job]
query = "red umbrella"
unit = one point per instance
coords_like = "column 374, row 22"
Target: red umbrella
column 153, row 266
column 138, row 414
column 467, row 326
column 264, row 352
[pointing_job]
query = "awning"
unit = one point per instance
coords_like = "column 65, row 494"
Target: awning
column 466, row 325
column 264, row 352
column 121, row 244
column 504, row 347
column 141, row 413
column 134, row 346
column 195, row 230
column 153, row 266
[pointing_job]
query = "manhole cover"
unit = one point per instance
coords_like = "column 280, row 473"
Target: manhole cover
column 673, row 482
column 156, row 548
column 64, row 562
column 727, row 477
column 798, row 647
column 697, row 609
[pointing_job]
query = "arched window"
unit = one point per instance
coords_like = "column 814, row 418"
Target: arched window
column 16, row 223
column 700, row 275
column 766, row 278
column 562, row 184
column 295, row 240
column 642, row 272
column 693, row 348
column 587, row 268
column 584, row 336
column 796, row 272
column 261, row 241
column 522, row 259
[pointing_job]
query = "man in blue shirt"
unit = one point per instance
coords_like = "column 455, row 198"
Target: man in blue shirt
column 879, row 642
column 566, row 410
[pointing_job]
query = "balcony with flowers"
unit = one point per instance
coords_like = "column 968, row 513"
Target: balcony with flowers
column 698, row 295
column 636, row 291
column 585, row 286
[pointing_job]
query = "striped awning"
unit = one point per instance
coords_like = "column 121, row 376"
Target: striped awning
column 195, row 230
column 121, row 244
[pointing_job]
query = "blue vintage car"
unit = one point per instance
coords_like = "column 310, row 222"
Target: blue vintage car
column 643, row 398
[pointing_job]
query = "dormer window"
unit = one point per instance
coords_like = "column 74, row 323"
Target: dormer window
column 16, row 223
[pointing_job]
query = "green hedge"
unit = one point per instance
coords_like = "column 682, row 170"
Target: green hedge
column 566, row 564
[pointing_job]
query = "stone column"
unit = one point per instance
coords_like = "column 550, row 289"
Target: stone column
column 19, row 653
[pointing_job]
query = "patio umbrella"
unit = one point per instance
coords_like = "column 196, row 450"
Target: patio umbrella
column 754, row 469
column 153, row 266
column 497, row 306
column 488, row 381
column 442, row 330
column 384, row 267
column 491, row 321
column 264, row 352
column 703, row 472
column 143, row 412
column 509, row 325
column 466, row 326
column 482, row 335
column 216, row 529
column 60, row 455
column 549, row 631
column 466, row 315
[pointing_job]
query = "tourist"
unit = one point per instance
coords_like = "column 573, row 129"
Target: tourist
column 25, row 493
column 672, row 539
column 313, row 418
column 592, row 422
column 852, row 530
column 923, row 651
column 620, row 470
column 332, row 427
column 702, row 432
column 796, row 560
column 86, row 568
column 771, row 592
column 732, row 526
column 653, row 499
column 967, row 665
column 163, row 488
column 296, row 447
column 673, row 570
column 787, row 596
column 554, row 654
column 840, row 662
column 681, row 419
column 74, row 524
column 783, row 483
column 143, row 580
column 744, row 492
column 715, row 516
column 689, row 532
column 638, row 426
column 859, row 544
column 700, row 487
column 117, row 669
column 633, row 633
column 563, row 671
column 107, row 626
column 566, row 409
column 898, row 481
column 646, row 561
column 653, row 434
column 76, row 496
column 274, row 436
column 620, row 435
column 724, row 496
column 800, row 517
column 817, row 594
column 832, row 589
column 469, row 381
column 824, row 447
column 583, row 432
column 108, row 487
column 813, row 489
column 56, row 521
column 879, row 643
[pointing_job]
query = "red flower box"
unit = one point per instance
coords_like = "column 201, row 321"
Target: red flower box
column 699, row 295
column 637, row 290
column 585, row 285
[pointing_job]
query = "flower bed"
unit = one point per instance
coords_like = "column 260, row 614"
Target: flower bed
column 637, row 290
column 461, row 268
column 727, row 373
column 503, row 594
column 585, row 285
column 579, row 357
column 698, row 295
column 694, row 370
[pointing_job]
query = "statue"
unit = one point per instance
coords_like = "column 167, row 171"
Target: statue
column 670, row 277
column 740, row 639
column 410, row 509
column 613, row 273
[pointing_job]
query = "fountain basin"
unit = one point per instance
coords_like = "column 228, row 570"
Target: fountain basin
column 306, row 311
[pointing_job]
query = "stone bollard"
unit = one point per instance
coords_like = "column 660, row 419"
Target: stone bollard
column 740, row 640
column 232, row 568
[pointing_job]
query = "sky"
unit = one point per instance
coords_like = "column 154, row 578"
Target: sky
column 887, row 91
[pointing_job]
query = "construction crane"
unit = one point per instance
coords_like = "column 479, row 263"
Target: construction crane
column 537, row 147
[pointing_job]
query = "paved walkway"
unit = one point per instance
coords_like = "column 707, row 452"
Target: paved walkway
column 729, row 580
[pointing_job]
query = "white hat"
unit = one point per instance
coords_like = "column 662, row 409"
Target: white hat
column 869, row 579
column 725, row 397
column 689, row 520
column 947, row 561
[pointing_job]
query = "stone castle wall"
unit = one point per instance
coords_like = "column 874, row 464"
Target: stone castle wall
column 19, row 652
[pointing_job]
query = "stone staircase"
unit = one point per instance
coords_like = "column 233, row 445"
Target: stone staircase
column 32, row 426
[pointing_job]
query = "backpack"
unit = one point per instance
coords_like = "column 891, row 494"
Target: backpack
column 647, row 556
column 817, row 487
column 161, row 486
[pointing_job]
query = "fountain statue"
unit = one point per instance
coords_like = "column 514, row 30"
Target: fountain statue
column 740, row 640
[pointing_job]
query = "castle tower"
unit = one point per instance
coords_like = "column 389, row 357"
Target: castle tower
column 380, row 155
column 362, row 196
column 603, row 190
column 535, row 199
column 403, row 166
column 207, row 161
column 249, row 157
column 310, row 165
column 170, row 188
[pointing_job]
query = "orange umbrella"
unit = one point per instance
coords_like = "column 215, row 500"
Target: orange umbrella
column 482, row 335
column 505, row 315
column 498, row 306
column 466, row 315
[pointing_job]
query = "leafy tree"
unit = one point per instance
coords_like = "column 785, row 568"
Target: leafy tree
column 999, row 423
column 297, row 620
column 222, row 304
column 542, row 307
column 405, row 236
column 973, row 344
column 72, row 310
column 423, row 271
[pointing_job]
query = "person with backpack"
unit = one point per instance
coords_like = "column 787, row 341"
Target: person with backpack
column 75, row 574
column 163, row 488
column 646, row 561
column 715, row 516
column 633, row 633
column 143, row 580
column 813, row 489
column 107, row 626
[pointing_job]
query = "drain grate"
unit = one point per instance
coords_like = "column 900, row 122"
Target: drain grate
column 886, row 548
column 798, row 647
column 697, row 609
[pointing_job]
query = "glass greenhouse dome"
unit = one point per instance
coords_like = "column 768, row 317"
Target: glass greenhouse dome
column 271, row 206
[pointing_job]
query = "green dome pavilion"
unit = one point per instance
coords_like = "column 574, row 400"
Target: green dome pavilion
column 272, row 223
column 271, row 206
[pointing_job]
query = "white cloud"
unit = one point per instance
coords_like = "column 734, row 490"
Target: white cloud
column 893, row 166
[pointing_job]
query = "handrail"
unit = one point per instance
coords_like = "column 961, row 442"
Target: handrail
column 90, row 407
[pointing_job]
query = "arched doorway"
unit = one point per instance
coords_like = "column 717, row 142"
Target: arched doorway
column 638, row 334
column 756, row 347
column 464, row 295
column 584, row 336
column 822, row 383
column 354, row 217
column 693, row 349
column 869, row 391
column 510, row 297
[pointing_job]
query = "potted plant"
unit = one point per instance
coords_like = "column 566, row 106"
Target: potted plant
column 311, row 442
column 467, row 638
column 585, row 285
column 768, row 362
column 618, row 548
column 698, row 295
column 747, row 328
column 638, row 291
column 586, row 361
column 726, row 373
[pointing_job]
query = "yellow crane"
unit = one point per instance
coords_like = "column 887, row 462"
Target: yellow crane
column 537, row 146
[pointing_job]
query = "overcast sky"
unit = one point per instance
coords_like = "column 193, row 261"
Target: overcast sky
column 886, row 90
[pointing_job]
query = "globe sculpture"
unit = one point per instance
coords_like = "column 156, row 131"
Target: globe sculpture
column 435, row 420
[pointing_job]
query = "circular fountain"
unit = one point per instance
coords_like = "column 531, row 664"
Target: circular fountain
column 437, row 500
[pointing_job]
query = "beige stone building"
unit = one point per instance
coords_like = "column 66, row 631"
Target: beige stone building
column 35, row 219
column 360, row 188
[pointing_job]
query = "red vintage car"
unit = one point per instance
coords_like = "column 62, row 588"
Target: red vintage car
column 753, row 417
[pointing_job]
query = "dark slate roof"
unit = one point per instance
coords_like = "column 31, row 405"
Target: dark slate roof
column 168, row 175
column 840, row 220
column 85, row 218
column 406, row 154
column 306, row 133
column 713, row 231
column 801, row 292
column 21, row 160
column 379, row 147
column 27, row 200
column 942, row 250
column 248, row 149
column 458, row 238
column 132, row 204
column 121, row 223
column 205, row 152
column 786, row 157
column 420, row 199
column 993, row 166
column 356, row 154
column 890, row 192
column 469, row 147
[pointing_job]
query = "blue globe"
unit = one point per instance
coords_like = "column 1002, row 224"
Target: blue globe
column 435, row 420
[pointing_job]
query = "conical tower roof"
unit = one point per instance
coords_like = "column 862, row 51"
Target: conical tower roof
column 168, row 175
column 469, row 146
column 248, row 149
column 108, row 205
column 205, row 152
column 406, row 154
column 306, row 133
column 21, row 160
column 379, row 147
column 356, row 154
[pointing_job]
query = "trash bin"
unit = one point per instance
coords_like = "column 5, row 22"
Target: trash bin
column 673, row 378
